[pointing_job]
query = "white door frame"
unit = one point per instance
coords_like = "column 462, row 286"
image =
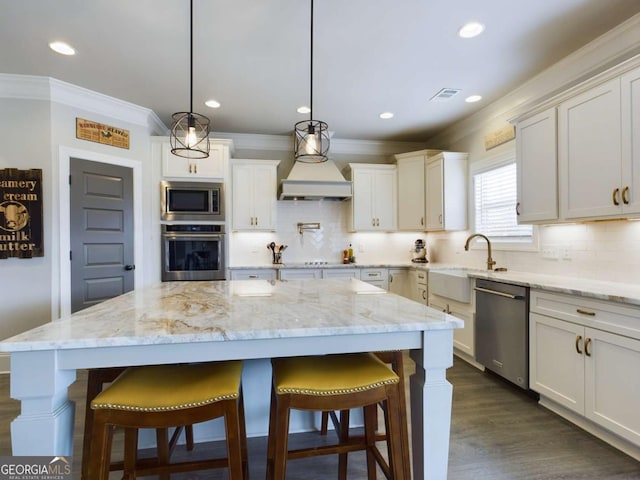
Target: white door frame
column 64, row 158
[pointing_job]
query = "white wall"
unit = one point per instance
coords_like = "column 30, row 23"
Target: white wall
column 602, row 250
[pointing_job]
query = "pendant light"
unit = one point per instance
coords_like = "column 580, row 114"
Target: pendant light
column 311, row 140
column 190, row 131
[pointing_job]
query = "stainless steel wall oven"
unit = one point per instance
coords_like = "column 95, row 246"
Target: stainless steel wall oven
column 193, row 252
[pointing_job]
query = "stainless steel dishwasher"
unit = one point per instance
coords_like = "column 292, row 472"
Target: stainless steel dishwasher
column 502, row 330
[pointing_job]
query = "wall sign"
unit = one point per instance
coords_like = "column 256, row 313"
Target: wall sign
column 499, row 137
column 21, row 232
column 101, row 133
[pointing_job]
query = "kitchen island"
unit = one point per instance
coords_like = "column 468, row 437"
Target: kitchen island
column 209, row 321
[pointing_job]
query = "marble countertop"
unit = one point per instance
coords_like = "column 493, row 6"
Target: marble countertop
column 278, row 266
column 186, row 312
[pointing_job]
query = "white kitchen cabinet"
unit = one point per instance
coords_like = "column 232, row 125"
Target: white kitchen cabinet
column 205, row 168
column 419, row 291
column 375, row 276
column 630, row 92
column 589, row 153
column 299, row 273
column 341, row 273
column 586, row 369
column 463, row 338
column 254, row 274
column 411, row 191
column 446, row 192
column 254, row 194
column 537, row 167
column 374, row 201
column 400, row 282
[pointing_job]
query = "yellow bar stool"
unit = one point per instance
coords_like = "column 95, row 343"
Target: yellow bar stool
column 395, row 360
column 165, row 396
column 97, row 379
column 336, row 383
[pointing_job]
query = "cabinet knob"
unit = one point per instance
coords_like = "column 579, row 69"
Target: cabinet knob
column 616, row 194
column 129, row 267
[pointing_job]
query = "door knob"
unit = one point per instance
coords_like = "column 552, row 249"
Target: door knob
column 129, row 267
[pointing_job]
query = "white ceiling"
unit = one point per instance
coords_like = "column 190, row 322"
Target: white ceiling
column 370, row 56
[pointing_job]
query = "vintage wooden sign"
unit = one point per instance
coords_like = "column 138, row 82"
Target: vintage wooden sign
column 499, row 137
column 101, row 133
column 21, row 232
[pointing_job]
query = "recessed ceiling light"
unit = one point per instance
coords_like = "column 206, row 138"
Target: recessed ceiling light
column 212, row 103
column 62, row 48
column 473, row 99
column 386, row 115
column 304, row 109
column 471, row 29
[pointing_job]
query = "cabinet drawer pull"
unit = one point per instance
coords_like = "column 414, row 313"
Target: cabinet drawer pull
column 587, row 342
column 616, row 193
column 586, row 312
column 518, row 208
column 372, row 274
column 253, row 276
column 625, row 195
column 578, row 340
column 422, row 221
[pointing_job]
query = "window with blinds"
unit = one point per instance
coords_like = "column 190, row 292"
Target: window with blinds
column 495, row 193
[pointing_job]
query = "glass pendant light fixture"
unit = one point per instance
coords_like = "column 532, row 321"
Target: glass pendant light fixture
column 190, row 131
column 311, row 139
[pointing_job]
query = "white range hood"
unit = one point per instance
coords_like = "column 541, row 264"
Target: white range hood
column 315, row 181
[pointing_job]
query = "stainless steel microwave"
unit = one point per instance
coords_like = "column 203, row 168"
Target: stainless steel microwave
column 192, row 201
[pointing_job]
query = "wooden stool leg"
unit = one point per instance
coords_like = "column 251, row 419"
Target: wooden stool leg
column 344, row 438
column 234, row 449
column 94, row 387
column 243, row 437
column 271, row 442
column 281, row 438
column 324, row 423
column 394, row 435
column 130, row 453
column 101, row 438
column 188, row 433
column 162, row 447
column 370, row 439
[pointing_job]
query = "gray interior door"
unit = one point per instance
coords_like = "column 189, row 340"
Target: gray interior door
column 101, row 221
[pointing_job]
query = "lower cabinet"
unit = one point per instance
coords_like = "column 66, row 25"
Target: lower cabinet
column 587, row 370
column 341, row 273
column 254, row 274
column 400, row 282
column 375, row 276
column 463, row 338
column 419, row 291
column 299, row 273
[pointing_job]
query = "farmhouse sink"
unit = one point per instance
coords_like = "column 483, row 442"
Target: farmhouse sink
column 452, row 283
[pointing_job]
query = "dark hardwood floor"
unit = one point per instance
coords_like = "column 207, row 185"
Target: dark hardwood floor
column 497, row 432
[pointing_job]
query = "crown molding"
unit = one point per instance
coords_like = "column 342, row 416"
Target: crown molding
column 32, row 87
column 613, row 47
column 248, row 141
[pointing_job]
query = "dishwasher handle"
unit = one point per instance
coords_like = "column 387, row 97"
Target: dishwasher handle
column 501, row 294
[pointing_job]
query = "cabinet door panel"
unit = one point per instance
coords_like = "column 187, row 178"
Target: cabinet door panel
column 612, row 383
column 631, row 140
column 590, row 150
column 556, row 369
column 242, row 206
column 411, row 191
column 265, row 193
column 363, row 193
column 537, row 167
column 435, row 201
column 385, row 200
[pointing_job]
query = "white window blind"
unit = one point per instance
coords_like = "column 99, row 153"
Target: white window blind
column 495, row 205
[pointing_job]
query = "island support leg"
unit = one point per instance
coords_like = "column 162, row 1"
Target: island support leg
column 431, row 396
column 45, row 424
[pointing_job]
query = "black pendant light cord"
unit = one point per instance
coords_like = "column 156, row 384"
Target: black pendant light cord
column 311, row 69
column 191, row 57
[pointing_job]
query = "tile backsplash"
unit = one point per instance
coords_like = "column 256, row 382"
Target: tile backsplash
column 599, row 250
column 325, row 244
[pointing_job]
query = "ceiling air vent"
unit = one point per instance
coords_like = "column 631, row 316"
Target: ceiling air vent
column 445, row 94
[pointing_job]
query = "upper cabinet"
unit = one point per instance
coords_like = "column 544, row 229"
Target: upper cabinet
column 253, row 196
column 597, row 142
column 211, row 167
column 432, row 190
column 446, row 192
column 537, row 167
column 374, row 201
column 589, row 130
